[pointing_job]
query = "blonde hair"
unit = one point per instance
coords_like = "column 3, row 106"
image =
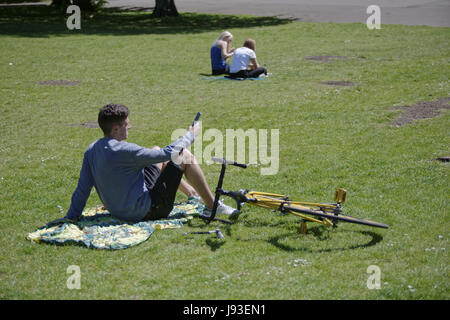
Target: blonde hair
column 224, row 35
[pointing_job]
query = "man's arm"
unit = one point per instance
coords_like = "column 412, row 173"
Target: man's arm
column 82, row 192
column 253, row 64
column 146, row 156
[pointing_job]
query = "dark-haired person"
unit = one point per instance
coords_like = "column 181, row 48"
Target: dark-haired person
column 244, row 64
column 136, row 183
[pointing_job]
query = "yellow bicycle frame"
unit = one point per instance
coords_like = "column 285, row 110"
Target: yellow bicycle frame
column 327, row 214
column 277, row 201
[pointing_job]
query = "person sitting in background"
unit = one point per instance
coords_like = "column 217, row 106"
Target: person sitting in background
column 244, row 64
column 220, row 51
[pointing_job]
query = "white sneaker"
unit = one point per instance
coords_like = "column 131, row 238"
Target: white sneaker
column 224, row 209
column 221, row 209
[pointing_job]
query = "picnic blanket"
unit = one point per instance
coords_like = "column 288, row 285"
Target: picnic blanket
column 98, row 229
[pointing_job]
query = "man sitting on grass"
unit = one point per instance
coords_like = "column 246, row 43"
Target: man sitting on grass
column 136, row 183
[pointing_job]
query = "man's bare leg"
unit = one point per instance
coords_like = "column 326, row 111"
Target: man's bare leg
column 187, row 189
column 196, row 178
column 184, row 187
column 197, row 185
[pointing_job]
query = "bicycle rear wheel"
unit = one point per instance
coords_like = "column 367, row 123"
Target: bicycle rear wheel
column 338, row 217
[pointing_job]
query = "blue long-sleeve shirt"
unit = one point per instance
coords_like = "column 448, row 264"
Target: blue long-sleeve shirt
column 115, row 169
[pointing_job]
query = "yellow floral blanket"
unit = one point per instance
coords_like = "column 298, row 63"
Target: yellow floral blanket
column 98, row 229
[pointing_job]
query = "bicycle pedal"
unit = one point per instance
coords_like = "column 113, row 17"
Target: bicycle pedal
column 303, row 229
column 340, row 195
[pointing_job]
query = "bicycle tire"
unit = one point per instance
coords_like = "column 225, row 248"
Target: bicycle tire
column 339, row 217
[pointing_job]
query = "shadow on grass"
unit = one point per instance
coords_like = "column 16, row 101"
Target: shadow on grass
column 44, row 21
column 276, row 241
column 214, row 243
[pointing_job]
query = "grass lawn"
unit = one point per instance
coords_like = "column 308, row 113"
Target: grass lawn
column 330, row 136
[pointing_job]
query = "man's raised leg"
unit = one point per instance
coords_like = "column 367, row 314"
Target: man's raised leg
column 184, row 187
column 194, row 175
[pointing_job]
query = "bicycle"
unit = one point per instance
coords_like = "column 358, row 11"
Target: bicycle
column 327, row 214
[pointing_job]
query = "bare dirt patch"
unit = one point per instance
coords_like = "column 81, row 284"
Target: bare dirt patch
column 326, row 59
column 443, row 159
column 64, row 83
column 338, row 83
column 421, row 110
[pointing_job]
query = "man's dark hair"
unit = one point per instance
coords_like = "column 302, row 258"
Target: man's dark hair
column 110, row 115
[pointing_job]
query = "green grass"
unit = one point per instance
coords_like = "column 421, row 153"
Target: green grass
column 329, row 137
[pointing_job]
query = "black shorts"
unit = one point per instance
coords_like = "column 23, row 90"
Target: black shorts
column 162, row 187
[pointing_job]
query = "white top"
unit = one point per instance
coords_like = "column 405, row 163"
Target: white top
column 241, row 59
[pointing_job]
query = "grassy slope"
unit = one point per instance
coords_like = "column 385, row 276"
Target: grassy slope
column 329, row 137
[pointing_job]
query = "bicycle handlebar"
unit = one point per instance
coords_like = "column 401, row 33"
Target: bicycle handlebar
column 233, row 163
column 219, row 190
